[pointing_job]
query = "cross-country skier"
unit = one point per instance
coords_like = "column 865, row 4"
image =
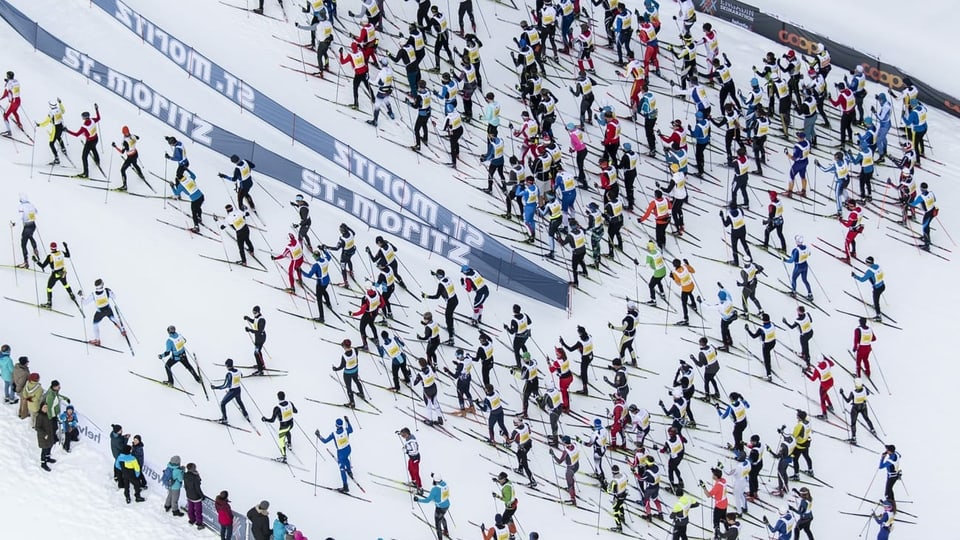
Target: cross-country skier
column 105, row 302
column 257, row 325
column 890, row 461
column 523, row 439
column 584, row 345
column 735, row 218
column 427, row 377
column 718, row 493
column 303, row 226
column 767, row 334
column 783, row 528
column 774, row 221
column 369, row 308
column 784, row 450
column 411, row 448
column 176, row 352
column 803, row 323
column 128, row 149
column 508, row 497
column 341, row 437
column 294, row 251
column 54, row 119
column 11, row 91
column 519, row 330
column 284, row 411
column 492, row 404
column 320, row 270
column 823, row 374
column 232, row 383
column 863, row 339
column 529, row 374
column 801, row 434
column 28, row 217
column 651, row 487
column 736, row 411
column 873, row 274
column 804, row 512
column 439, row 495
column 463, row 366
column 391, row 348
column 927, row 202
column 681, row 509
column 243, row 177
column 386, row 253
column 857, row 398
column 358, row 62
column 707, row 358
column 682, row 275
column 187, row 185
column 628, row 329
column 350, row 365
column 56, row 260
column 674, row 447
column 238, row 221
column 886, row 519
column 472, row 281
column 179, row 155
column 569, row 457
column 347, row 246
column 89, row 131
column 798, row 257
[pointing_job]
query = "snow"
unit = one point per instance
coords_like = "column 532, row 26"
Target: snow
column 160, row 280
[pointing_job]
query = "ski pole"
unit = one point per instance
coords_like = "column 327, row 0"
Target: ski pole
column 867, row 492
column 13, row 253
column 876, row 362
column 33, row 150
column 820, row 285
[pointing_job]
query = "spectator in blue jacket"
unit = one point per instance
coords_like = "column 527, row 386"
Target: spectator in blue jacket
column 6, row 373
column 173, row 488
column 68, row 425
column 129, row 472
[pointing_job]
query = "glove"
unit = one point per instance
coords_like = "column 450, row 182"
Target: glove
column 113, row 144
column 212, row 388
column 166, row 156
column 263, row 418
column 684, row 261
column 222, row 227
column 12, row 224
column 746, row 327
column 423, row 295
column 66, row 246
column 160, row 356
column 316, row 432
column 67, row 400
column 852, row 274
column 610, row 325
column 660, row 402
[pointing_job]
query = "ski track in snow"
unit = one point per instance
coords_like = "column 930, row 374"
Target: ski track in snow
column 159, row 280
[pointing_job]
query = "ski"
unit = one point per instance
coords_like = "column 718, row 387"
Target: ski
column 869, row 305
column 188, row 229
column 216, row 421
column 898, row 520
column 761, row 377
column 38, row 306
column 84, row 341
column 274, row 460
column 253, row 367
column 869, row 318
column 876, row 501
column 21, row 141
column 75, row 177
column 312, row 319
column 161, row 383
column 338, row 490
column 255, row 12
column 357, row 409
column 235, row 263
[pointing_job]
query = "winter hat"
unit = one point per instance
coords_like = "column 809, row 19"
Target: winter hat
column 34, row 377
column 127, row 449
column 263, row 506
column 192, row 467
column 282, row 517
column 175, row 461
column 23, row 360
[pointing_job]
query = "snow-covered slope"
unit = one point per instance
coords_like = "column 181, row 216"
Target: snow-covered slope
column 160, row 280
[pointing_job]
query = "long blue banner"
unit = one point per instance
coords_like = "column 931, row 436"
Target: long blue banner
column 423, row 222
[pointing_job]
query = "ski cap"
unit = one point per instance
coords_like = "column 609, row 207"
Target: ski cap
column 436, row 478
column 229, row 362
column 52, row 103
column 125, row 130
column 798, row 239
column 171, row 329
column 597, row 423
column 53, row 246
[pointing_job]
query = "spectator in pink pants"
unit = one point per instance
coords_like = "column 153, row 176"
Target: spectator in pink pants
column 191, row 484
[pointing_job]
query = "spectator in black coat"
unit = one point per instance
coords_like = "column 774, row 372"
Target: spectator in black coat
column 259, row 518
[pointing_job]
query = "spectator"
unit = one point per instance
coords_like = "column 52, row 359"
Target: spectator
column 46, row 436
column 280, row 527
column 297, row 535
column 118, row 439
column 137, row 445
column 191, row 484
column 259, row 518
column 20, row 373
column 129, row 473
column 224, row 515
column 6, row 373
column 68, row 424
column 30, row 397
column 174, row 485
column 54, row 398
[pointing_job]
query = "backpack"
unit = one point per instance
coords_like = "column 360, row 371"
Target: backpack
column 167, row 478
